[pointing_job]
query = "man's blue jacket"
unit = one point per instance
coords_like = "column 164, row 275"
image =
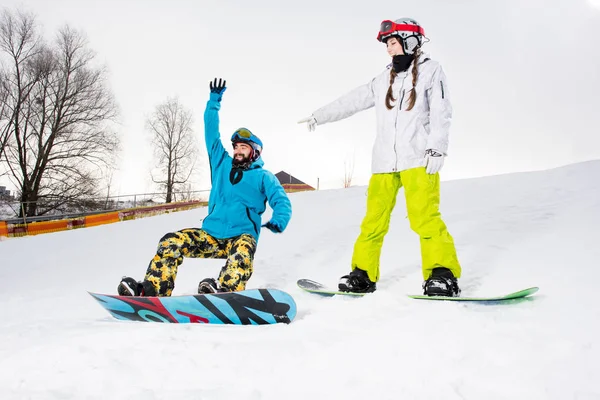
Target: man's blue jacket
column 238, row 197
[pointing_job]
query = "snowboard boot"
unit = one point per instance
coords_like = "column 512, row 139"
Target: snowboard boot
column 357, row 282
column 441, row 283
column 208, row 286
column 130, row 287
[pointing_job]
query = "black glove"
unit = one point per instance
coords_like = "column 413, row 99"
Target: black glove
column 273, row 227
column 219, row 87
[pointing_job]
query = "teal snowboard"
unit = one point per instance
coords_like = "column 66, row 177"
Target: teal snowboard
column 322, row 290
column 511, row 296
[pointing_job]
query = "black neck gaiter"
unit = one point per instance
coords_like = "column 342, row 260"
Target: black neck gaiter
column 402, row 62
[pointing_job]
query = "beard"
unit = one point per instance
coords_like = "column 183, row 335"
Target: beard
column 240, row 161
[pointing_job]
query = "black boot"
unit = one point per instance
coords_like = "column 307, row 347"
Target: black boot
column 130, row 287
column 441, row 283
column 357, row 282
column 208, row 286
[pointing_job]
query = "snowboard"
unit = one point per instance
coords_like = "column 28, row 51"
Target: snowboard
column 511, row 296
column 320, row 289
column 248, row 307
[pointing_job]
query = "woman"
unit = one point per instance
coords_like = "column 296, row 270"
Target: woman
column 413, row 120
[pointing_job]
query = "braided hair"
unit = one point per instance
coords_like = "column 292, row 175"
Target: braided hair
column 412, row 98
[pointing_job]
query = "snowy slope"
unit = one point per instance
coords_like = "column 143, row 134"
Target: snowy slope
column 512, row 231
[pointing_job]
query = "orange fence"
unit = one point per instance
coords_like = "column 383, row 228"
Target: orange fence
column 101, row 219
column 3, row 228
column 36, row 228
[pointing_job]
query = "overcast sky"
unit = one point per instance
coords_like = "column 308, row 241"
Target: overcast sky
column 523, row 75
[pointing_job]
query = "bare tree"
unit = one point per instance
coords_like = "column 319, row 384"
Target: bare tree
column 60, row 110
column 174, row 145
column 186, row 193
column 348, row 172
column 4, row 120
column 4, row 113
column 19, row 45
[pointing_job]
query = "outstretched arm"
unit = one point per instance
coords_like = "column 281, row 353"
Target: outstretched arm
column 216, row 151
column 349, row 104
column 279, row 202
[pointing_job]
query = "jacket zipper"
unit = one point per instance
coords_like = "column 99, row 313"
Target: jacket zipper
column 401, row 100
column 395, row 125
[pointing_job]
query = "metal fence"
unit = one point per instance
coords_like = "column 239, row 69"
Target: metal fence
column 13, row 211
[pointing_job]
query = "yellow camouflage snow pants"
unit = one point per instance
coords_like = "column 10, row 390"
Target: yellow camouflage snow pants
column 196, row 243
column 422, row 193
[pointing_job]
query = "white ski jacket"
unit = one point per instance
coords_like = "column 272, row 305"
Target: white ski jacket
column 402, row 136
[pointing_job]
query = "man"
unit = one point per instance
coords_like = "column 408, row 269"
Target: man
column 240, row 190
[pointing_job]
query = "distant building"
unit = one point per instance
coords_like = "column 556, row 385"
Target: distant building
column 292, row 184
column 5, row 194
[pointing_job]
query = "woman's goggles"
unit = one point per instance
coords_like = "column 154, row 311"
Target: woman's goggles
column 389, row 28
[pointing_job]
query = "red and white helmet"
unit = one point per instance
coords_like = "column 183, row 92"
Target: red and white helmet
column 407, row 30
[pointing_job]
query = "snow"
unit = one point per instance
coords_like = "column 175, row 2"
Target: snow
column 512, row 231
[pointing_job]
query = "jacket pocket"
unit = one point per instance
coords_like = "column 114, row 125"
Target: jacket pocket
column 421, row 139
column 251, row 220
column 418, row 140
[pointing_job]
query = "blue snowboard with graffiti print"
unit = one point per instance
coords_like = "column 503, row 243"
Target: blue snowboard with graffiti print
column 248, row 307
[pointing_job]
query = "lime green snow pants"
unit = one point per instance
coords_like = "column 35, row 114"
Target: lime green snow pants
column 422, row 193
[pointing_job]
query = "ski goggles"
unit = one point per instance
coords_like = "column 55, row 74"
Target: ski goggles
column 388, row 28
column 244, row 135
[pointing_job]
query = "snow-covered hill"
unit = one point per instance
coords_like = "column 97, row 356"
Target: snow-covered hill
column 511, row 231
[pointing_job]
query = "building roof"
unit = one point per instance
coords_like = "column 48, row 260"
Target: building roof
column 285, row 178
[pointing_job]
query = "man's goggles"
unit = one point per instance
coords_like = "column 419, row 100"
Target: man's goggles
column 244, row 135
column 241, row 134
column 389, row 28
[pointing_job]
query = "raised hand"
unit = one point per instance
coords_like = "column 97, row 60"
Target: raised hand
column 218, row 87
